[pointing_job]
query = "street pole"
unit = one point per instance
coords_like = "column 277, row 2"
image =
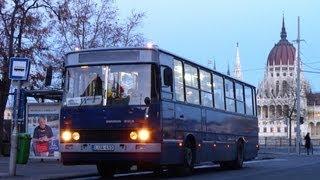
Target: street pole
column 298, row 92
column 14, row 135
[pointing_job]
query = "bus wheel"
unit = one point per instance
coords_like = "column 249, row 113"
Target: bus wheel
column 189, row 159
column 105, row 170
column 225, row 165
column 238, row 162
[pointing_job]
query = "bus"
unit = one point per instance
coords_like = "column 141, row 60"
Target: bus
column 146, row 108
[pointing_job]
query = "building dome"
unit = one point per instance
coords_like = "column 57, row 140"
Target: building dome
column 283, row 53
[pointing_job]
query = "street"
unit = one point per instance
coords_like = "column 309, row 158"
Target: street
column 286, row 167
column 283, row 167
column 267, row 166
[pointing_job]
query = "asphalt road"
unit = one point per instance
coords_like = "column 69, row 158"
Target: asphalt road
column 291, row 167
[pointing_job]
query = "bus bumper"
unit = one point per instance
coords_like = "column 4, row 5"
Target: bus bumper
column 92, row 153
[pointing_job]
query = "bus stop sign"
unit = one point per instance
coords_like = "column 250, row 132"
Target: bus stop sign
column 19, row 68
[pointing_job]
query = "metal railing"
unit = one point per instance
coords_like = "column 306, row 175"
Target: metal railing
column 281, row 144
column 283, row 141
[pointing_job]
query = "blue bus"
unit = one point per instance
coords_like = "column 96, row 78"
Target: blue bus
column 146, row 108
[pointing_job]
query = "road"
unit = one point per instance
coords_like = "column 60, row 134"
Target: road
column 285, row 167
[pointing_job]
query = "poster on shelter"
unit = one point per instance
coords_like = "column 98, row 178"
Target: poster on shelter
column 43, row 126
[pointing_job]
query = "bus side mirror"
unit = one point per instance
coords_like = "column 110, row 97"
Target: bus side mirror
column 167, row 76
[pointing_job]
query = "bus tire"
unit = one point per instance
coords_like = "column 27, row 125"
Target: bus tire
column 224, row 165
column 189, row 159
column 238, row 162
column 105, row 170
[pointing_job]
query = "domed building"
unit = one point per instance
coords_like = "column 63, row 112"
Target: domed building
column 276, row 98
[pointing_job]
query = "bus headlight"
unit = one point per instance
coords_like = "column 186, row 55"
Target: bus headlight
column 66, row 136
column 144, row 134
column 75, row 136
column 134, row 135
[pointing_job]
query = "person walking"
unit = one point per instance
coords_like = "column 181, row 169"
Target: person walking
column 307, row 144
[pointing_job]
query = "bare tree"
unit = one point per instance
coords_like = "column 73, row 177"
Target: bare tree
column 287, row 100
column 44, row 30
column 22, row 33
column 82, row 24
column 89, row 24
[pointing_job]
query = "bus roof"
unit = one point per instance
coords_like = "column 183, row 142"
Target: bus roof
column 160, row 50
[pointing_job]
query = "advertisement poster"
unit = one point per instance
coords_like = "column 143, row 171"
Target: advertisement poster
column 43, row 126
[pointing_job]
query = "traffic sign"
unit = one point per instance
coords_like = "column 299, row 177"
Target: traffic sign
column 19, row 68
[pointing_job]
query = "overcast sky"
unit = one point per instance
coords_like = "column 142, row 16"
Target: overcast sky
column 209, row 29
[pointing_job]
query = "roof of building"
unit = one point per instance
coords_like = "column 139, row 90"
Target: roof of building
column 283, row 53
column 313, row 99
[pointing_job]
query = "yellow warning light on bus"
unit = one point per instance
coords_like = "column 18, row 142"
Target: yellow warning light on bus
column 134, row 135
column 144, row 134
column 75, row 136
column 66, row 136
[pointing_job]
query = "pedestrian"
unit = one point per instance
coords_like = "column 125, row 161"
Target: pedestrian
column 307, row 144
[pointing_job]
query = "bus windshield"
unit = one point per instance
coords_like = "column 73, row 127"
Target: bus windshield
column 108, row 85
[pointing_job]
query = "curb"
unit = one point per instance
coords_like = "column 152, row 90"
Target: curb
column 68, row 176
column 48, row 177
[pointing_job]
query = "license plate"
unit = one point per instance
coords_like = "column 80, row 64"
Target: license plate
column 103, row 147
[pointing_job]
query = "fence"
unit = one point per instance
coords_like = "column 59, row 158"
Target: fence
column 283, row 141
column 282, row 145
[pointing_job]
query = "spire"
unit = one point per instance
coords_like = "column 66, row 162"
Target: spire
column 228, row 71
column 283, row 34
column 214, row 65
column 237, row 68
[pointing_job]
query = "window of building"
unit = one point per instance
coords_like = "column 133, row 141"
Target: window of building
column 178, row 80
column 218, row 91
column 278, row 129
column 278, row 74
column 271, row 129
column 192, row 86
column 264, row 129
column 284, row 74
column 285, row 129
column 230, row 98
column 206, row 88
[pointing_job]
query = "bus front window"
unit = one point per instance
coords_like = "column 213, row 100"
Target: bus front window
column 108, row 85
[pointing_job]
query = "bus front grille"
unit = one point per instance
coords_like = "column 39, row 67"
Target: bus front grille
column 104, row 135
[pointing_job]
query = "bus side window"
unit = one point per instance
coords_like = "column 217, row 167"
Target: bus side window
column 218, row 91
column 166, row 82
column 249, row 100
column 239, row 98
column 178, row 80
column 254, row 95
column 230, row 98
column 206, row 88
column 192, row 84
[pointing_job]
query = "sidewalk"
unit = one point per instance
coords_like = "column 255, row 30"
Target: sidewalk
column 48, row 169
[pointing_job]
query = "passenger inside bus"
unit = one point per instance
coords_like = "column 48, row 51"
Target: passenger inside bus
column 116, row 96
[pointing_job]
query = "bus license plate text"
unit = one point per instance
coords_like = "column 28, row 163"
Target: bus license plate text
column 103, row 147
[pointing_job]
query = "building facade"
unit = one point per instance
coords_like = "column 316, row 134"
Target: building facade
column 313, row 115
column 276, row 95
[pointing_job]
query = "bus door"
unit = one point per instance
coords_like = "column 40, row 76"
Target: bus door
column 167, row 122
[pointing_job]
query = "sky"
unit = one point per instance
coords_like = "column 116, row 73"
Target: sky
column 203, row 30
